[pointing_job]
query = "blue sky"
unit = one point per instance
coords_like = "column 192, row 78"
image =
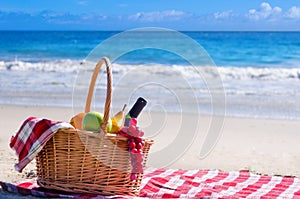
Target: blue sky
column 175, row 14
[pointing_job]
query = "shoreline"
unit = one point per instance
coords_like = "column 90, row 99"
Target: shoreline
column 114, row 110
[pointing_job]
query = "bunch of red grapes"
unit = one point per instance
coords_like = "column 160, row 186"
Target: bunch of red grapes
column 135, row 145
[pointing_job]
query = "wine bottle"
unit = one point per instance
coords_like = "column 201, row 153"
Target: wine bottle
column 135, row 110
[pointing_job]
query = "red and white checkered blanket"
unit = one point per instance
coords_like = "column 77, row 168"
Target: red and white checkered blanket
column 178, row 183
column 32, row 137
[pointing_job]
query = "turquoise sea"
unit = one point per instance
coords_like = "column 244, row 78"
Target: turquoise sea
column 260, row 71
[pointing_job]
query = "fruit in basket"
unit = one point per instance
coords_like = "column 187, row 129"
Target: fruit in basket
column 76, row 121
column 92, row 121
column 118, row 120
column 115, row 127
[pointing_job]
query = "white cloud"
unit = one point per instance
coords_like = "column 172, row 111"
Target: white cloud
column 293, row 13
column 168, row 15
column 92, row 17
column 264, row 12
column 224, row 15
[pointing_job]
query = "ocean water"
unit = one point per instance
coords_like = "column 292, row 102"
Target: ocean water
column 259, row 72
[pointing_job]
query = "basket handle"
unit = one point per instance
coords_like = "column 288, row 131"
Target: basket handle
column 102, row 61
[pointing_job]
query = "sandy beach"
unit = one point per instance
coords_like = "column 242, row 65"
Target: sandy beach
column 259, row 145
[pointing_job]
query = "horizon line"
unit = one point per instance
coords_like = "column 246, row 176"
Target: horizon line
column 78, row 30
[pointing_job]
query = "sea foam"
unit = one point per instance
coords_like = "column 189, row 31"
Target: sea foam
column 226, row 73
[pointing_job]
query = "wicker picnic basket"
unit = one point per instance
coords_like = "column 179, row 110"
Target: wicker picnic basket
column 80, row 161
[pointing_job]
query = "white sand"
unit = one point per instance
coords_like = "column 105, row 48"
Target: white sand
column 264, row 146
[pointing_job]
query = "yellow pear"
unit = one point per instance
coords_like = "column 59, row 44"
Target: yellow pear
column 118, row 121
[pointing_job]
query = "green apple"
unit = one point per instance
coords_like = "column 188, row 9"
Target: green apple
column 92, row 121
